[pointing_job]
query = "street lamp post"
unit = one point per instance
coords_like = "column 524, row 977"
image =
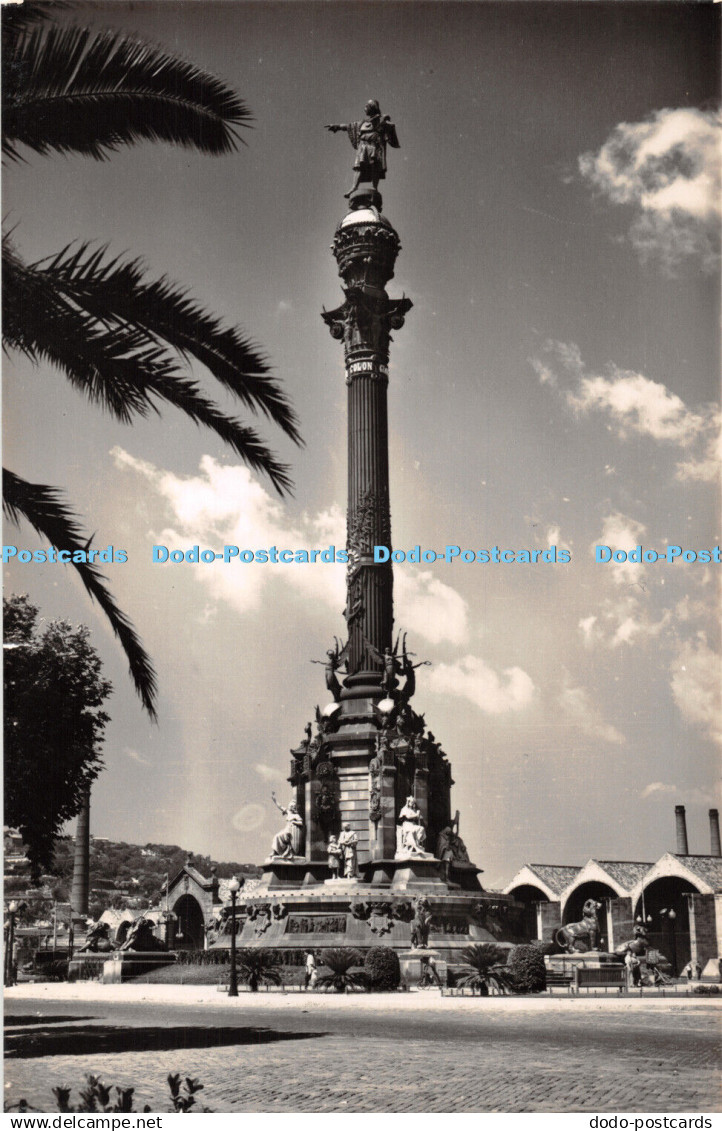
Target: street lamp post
column 671, row 917
column 234, row 888
column 9, row 971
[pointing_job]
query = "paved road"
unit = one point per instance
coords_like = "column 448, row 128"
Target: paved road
column 295, row 1054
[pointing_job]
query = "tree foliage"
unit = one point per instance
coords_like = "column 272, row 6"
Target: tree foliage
column 124, row 341
column 148, row 864
column 54, row 724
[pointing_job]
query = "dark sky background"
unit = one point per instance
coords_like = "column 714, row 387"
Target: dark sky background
column 556, row 382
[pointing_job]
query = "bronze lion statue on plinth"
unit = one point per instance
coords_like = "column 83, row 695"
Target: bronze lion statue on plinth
column 581, row 936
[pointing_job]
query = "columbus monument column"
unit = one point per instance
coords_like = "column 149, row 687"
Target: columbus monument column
column 370, row 850
column 365, row 247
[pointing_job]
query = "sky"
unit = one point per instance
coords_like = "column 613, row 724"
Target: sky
column 556, row 383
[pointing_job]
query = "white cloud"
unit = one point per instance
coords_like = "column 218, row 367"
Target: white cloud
column 655, row 787
column 577, row 706
column 625, row 616
column 226, row 505
column 696, row 685
column 553, row 537
column 667, row 169
column 428, row 606
column 269, row 773
column 587, row 626
column 688, row 796
column 636, row 405
column 249, row 818
column 136, row 757
column 707, row 467
column 544, row 372
column 620, row 532
column 471, row 678
column 621, row 620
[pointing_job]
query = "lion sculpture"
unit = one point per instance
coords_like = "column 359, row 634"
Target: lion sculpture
column 581, row 936
column 97, row 939
column 141, row 936
column 638, row 945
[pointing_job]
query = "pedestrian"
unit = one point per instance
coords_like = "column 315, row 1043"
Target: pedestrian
column 311, row 972
column 697, row 971
column 634, row 972
column 688, row 971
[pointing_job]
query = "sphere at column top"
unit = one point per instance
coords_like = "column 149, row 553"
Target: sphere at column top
column 365, row 216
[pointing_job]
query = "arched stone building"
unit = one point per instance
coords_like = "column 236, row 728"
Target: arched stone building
column 678, row 898
column 194, row 899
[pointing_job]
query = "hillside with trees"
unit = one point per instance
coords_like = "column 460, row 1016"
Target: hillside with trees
column 123, row 875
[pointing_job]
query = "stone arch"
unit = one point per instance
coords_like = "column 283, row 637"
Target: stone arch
column 670, row 936
column 529, row 895
column 190, row 932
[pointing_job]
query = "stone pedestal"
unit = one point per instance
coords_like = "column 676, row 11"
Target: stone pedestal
column 417, row 870
column 279, row 872
column 127, row 964
column 116, row 966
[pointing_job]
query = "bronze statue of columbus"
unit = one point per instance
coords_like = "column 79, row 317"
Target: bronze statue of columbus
column 369, row 138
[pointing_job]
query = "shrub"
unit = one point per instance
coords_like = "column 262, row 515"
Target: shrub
column 526, row 966
column 220, row 957
column 485, row 967
column 339, row 961
column 256, row 966
column 382, row 968
column 97, row 1097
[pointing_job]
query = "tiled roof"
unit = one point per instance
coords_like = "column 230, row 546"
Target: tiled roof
column 555, row 876
column 627, row 873
column 708, row 868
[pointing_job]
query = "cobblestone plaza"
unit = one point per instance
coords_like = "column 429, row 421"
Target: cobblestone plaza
column 318, row 1053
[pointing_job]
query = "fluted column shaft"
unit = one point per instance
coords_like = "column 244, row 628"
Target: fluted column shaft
column 369, row 521
column 365, row 247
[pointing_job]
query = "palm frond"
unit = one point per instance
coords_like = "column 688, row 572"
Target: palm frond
column 339, row 959
column 169, row 314
column 482, row 956
column 74, row 90
column 16, row 18
column 42, row 507
column 115, row 363
column 110, row 364
column 261, row 964
column 340, row 982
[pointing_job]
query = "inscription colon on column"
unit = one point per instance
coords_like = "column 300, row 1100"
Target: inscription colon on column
column 375, row 368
